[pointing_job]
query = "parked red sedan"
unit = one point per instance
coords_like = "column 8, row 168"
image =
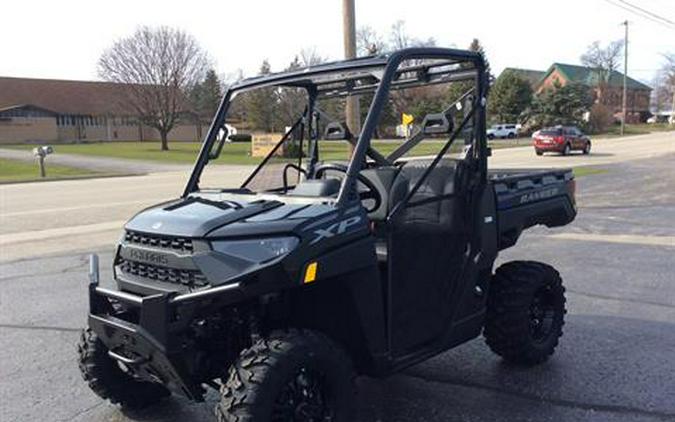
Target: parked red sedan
column 561, row 139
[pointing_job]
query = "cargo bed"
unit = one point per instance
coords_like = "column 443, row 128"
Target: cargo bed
column 527, row 197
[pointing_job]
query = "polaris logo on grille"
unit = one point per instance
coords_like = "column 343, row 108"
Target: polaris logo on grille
column 535, row 196
column 148, row 256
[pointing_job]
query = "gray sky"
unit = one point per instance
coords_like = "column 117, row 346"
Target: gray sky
column 63, row 39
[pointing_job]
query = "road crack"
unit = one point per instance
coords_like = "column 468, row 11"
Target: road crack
column 618, row 299
column 596, row 407
column 40, row 327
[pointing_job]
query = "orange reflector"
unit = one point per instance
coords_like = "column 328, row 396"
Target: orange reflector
column 310, row 274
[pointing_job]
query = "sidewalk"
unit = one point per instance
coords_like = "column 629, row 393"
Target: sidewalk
column 101, row 164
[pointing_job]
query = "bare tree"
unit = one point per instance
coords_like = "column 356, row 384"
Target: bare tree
column 664, row 93
column 310, row 57
column 603, row 61
column 369, row 42
column 399, row 38
column 157, row 66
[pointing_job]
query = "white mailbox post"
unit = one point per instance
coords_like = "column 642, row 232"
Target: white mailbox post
column 40, row 153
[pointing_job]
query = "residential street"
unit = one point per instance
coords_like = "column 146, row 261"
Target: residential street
column 615, row 363
column 75, row 216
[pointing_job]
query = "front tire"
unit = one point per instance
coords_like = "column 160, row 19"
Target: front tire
column 539, row 152
column 567, row 149
column 108, row 381
column 526, row 311
column 297, row 375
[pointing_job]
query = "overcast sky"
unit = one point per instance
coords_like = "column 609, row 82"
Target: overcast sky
column 63, row 39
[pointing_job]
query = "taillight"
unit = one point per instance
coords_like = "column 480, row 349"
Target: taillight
column 559, row 139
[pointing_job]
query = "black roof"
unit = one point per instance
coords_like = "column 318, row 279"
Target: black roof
column 311, row 76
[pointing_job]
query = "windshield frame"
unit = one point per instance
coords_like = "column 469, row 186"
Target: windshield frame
column 388, row 65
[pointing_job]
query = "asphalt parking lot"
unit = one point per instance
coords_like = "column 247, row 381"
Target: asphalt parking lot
column 616, row 361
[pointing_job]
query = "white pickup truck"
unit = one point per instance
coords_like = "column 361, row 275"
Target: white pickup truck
column 502, row 131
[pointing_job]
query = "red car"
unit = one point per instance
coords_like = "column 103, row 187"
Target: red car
column 561, row 139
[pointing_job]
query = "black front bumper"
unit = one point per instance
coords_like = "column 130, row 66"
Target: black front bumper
column 149, row 342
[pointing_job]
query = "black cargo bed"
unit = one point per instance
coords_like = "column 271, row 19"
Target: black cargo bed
column 527, row 197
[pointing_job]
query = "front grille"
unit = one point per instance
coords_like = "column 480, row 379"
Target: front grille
column 192, row 278
column 181, row 244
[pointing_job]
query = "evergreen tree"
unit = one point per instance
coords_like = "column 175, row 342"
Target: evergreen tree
column 561, row 105
column 262, row 104
column 509, row 97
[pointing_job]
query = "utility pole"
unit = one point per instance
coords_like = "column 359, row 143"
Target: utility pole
column 625, row 73
column 352, row 113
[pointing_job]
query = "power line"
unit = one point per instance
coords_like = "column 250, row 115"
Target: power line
column 640, row 14
column 647, row 12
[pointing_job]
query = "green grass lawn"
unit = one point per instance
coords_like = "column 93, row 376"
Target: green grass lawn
column 588, row 171
column 18, row 171
column 232, row 153
column 637, row 129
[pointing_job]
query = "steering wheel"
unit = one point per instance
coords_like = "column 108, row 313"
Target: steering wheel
column 370, row 194
column 294, row 167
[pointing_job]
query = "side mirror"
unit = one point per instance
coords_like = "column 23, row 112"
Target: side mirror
column 217, row 146
column 438, row 123
column 336, row 131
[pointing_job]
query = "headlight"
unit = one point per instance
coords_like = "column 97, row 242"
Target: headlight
column 257, row 250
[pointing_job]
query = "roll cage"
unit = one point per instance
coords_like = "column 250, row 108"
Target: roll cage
column 378, row 74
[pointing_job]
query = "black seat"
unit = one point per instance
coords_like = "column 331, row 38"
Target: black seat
column 316, row 188
column 439, row 183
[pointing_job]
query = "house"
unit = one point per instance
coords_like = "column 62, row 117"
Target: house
column 609, row 93
column 47, row 110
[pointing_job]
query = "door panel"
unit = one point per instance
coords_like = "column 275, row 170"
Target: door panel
column 427, row 240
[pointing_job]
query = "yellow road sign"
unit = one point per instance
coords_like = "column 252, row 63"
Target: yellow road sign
column 407, row 119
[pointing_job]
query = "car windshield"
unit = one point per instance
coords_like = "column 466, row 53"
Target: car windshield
column 279, row 141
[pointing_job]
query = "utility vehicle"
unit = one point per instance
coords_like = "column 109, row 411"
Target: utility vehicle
column 332, row 259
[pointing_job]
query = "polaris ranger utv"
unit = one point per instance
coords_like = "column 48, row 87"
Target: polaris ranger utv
column 339, row 255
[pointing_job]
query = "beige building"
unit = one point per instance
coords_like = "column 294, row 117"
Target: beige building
column 45, row 110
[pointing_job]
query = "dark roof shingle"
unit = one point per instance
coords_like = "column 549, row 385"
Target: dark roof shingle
column 588, row 76
column 62, row 96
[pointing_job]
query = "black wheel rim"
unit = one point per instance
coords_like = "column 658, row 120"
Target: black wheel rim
column 542, row 315
column 304, row 399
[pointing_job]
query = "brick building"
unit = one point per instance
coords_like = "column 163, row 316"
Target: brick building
column 46, row 110
column 611, row 95
column 638, row 94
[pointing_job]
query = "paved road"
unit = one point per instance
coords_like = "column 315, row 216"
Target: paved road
column 616, row 361
column 70, row 216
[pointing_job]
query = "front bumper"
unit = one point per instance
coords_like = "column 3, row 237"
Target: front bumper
column 148, row 342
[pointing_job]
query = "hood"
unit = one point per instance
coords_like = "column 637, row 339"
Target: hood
column 199, row 217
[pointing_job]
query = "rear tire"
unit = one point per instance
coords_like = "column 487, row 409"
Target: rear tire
column 587, row 148
column 511, row 135
column 526, row 311
column 107, row 380
column 296, row 375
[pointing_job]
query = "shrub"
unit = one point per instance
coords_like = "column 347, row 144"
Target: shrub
column 600, row 118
